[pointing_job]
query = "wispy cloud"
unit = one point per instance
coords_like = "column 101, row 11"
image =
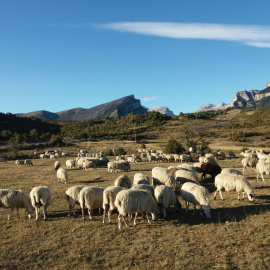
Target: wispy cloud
column 149, row 98
column 251, row 35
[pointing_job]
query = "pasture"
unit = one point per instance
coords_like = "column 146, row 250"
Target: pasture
column 237, row 236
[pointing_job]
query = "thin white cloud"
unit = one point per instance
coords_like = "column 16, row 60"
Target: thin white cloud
column 145, row 99
column 251, row 35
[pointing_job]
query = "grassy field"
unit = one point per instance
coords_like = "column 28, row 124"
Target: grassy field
column 237, row 236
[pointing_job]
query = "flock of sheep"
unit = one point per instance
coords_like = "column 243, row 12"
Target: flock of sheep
column 144, row 195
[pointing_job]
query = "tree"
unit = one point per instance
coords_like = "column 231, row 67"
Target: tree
column 174, row 147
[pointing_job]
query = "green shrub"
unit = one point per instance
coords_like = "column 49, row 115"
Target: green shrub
column 108, row 152
column 120, row 151
column 174, row 147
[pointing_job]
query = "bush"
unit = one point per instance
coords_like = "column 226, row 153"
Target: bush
column 120, row 151
column 174, row 147
column 108, row 152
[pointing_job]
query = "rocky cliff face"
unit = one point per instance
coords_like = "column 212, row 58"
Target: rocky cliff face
column 119, row 107
column 162, row 109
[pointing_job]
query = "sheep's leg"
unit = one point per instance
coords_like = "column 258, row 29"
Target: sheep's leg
column 90, row 213
column 201, row 213
column 164, row 212
column 194, row 211
column 243, row 197
column 257, row 177
column 109, row 215
column 220, row 194
column 45, row 212
column 148, row 219
column 11, row 211
column 262, row 177
column 215, row 194
column 136, row 214
column 73, row 210
column 187, row 206
column 83, row 212
column 18, row 213
column 119, row 223
column 37, row 210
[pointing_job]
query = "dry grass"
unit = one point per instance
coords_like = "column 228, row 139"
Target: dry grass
column 237, row 236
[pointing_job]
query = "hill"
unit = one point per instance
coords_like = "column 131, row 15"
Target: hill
column 116, row 108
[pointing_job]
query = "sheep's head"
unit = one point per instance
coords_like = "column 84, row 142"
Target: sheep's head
column 251, row 197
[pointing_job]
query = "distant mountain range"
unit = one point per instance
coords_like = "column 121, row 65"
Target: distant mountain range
column 253, row 99
column 119, row 107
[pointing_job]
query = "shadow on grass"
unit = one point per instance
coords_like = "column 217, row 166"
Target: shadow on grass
column 97, row 180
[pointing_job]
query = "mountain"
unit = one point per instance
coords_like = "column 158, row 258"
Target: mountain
column 208, row 107
column 119, row 107
column 162, row 109
column 253, row 99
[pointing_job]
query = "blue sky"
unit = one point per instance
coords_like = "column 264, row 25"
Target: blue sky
column 59, row 55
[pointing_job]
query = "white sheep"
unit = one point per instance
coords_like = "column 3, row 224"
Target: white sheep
column 262, row 168
column 70, row 163
column 57, row 165
column 197, row 195
column 118, row 166
column 233, row 182
column 109, row 195
column 89, row 164
column 165, row 197
column 140, row 178
column 161, row 177
column 249, row 162
column 183, row 176
column 28, row 162
column 122, row 181
column 231, row 171
column 135, row 201
column 10, row 198
column 62, row 175
column 72, row 196
column 144, row 187
column 40, row 197
column 92, row 198
column 185, row 158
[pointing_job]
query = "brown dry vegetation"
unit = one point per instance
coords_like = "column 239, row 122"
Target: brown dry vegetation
column 237, row 236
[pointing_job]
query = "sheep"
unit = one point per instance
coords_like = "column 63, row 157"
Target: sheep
column 122, row 181
column 28, row 162
column 3, row 160
column 197, row 166
column 165, row 197
column 210, row 168
column 183, row 176
column 89, row 164
column 187, row 167
column 72, row 196
column 185, row 158
column 92, row 198
column 40, row 196
column 57, row 165
column 144, row 187
column 79, row 162
column 197, row 195
column 262, row 168
column 249, row 162
column 10, row 198
column 19, row 162
column 135, row 201
column 62, row 175
column 70, row 163
column 231, row 171
column 118, row 166
column 231, row 182
column 140, row 178
column 109, row 195
column 161, row 177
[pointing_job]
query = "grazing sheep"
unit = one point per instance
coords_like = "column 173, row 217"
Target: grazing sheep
column 19, row 162
column 262, row 168
column 109, row 195
column 231, row 182
column 40, row 196
column 187, row 167
column 122, row 181
column 28, row 162
column 3, row 160
column 118, row 166
column 92, row 198
column 10, row 198
column 185, row 158
column 70, row 163
column 249, row 162
column 161, row 177
column 89, row 164
column 183, row 176
column 72, row 196
column 135, row 201
column 231, row 171
column 57, row 165
column 210, row 168
column 165, row 197
column 62, row 175
column 197, row 195
column 140, row 178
